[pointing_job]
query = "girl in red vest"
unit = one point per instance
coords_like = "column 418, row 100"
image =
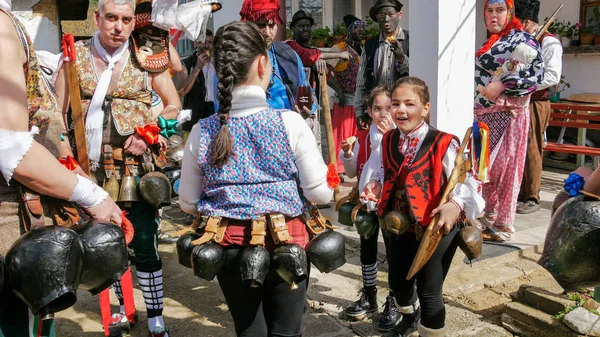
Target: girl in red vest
column 366, row 158
column 417, row 160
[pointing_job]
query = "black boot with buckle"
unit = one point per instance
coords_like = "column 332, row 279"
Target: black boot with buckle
column 390, row 315
column 407, row 325
column 367, row 303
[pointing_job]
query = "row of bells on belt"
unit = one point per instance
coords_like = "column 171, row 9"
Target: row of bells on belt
column 126, row 191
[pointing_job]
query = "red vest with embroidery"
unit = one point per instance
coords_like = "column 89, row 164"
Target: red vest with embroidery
column 545, row 94
column 364, row 139
column 424, row 180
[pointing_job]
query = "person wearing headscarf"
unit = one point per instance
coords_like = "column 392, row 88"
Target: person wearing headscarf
column 30, row 142
column 539, row 110
column 502, row 102
column 343, row 82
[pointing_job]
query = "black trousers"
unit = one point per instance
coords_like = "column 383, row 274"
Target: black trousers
column 145, row 240
column 368, row 247
column 272, row 310
column 429, row 279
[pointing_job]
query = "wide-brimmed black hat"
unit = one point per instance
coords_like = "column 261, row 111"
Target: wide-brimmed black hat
column 384, row 3
column 527, row 10
column 301, row 15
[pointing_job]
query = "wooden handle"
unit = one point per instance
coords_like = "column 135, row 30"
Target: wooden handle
column 76, row 109
column 328, row 127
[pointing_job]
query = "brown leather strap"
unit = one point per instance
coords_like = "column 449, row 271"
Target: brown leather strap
column 316, row 223
column 352, row 197
column 279, row 229
column 218, row 238
column 108, row 160
column 214, row 230
column 355, row 210
column 32, row 211
column 259, row 231
column 64, row 213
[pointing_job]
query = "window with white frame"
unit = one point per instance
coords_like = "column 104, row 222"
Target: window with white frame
column 314, row 8
column 342, row 8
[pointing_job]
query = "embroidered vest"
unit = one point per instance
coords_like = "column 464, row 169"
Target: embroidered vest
column 346, row 72
column 287, row 59
column 364, row 139
column 41, row 99
column 371, row 47
column 261, row 176
column 545, row 94
column 131, row 100
column 423, row 181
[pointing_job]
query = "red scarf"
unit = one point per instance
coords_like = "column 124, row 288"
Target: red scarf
column 511, row 23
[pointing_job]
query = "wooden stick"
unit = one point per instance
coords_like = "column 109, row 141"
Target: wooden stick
column 328, row 127
column 430, row 239
column 76, row 109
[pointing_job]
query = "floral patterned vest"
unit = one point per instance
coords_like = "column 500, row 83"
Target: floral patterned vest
column 260, row 177
column 346, row 72
column 423, row 181
column 131, row 99
column 41, row 100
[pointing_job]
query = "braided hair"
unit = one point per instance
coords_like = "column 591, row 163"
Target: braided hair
column 236, row 46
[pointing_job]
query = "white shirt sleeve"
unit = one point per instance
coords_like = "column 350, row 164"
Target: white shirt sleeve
column 466, row 195
column 552, row 54
column 190, row 187
column 350, row 163
column 312, row 171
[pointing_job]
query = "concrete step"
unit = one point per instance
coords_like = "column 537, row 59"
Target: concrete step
column 525, row 321
column 544, row 299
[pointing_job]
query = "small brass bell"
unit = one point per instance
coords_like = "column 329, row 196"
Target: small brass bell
column 111, row 185
column 128, row 191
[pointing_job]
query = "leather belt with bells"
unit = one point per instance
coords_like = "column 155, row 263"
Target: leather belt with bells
column 279, row 229
column 213, row 231
column 315, row 221
column 259, row 231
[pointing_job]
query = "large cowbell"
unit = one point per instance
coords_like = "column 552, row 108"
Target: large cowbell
column 327, row 251
column 44, row 267
column 185, row 248
column 290, row 263
column 571, row 249
column 207, row 260
column 254, row 265
column 105, row 258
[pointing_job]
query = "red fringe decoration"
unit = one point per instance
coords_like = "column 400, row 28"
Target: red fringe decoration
column 333, row 179
column 68, row 47
column 513, row 23
column 255, row 10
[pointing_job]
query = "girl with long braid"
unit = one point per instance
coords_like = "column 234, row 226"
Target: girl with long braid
column 248, row 161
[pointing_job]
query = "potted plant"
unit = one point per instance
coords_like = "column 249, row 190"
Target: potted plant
column 321, row 37
column 339, row 33
column 586, row 36
column 371, row 28
column 594, row 25
column 562, row 86
column 564, row 30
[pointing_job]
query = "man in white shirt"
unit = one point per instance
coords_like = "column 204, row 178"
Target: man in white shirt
column 527, row 11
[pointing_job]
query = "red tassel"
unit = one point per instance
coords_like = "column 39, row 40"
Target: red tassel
column 69, row 162
column 127, row 228
column 333, row 179
column 149, row 132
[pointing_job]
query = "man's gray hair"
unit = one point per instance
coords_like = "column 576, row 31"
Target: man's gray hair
column 116, row 2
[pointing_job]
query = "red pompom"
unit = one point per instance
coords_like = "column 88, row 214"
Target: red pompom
column 127, row 228
column 333, row 179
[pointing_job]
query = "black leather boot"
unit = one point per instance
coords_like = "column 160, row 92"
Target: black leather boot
column 367, row 303
column 407, row 325
column 390, row 315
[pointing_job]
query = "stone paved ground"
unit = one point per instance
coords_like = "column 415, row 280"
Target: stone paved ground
column 474, row 294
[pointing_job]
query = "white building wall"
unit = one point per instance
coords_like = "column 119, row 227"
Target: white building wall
column 40, row 20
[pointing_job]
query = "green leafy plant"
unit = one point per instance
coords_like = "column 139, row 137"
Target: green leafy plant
column 563, row 84
column 321, row 37
column 371, row 28
column 562, row 28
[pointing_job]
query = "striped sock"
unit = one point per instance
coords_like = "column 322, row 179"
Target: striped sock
column 369, row 274
column 119, row 293
column 152, row 288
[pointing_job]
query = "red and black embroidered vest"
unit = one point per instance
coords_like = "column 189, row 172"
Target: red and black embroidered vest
column 364, row 152
column 423, row 181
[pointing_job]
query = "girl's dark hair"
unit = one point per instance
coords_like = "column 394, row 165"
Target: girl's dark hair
column 417, row 84
column 236, row 46
column 376, row 92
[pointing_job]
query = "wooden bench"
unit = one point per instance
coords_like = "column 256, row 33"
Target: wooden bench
column 581, row 117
